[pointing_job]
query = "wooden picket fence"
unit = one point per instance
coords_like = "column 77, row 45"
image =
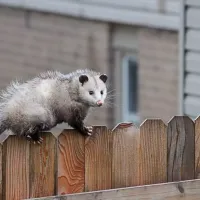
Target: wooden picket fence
column 124, row 157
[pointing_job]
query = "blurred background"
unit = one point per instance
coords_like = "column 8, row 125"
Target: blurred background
column 142, row 45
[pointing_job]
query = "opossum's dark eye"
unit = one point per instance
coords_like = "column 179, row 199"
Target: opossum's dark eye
column 101, row 91
column 91, row 92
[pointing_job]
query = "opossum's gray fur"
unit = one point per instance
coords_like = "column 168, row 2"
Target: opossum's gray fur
column 50, row 98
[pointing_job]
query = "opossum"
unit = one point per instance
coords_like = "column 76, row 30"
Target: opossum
column 51, row 98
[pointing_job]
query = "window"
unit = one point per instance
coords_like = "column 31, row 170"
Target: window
column 130, row 89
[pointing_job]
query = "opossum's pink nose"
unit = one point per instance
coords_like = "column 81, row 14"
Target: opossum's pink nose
column 99, row 103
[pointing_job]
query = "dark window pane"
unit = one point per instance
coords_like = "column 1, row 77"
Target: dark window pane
column 133, row 85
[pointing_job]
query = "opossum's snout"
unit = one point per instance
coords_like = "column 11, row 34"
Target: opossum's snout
column 99, row 103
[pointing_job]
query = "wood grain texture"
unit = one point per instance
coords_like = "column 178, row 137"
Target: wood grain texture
column 71, row 162
column 43, row 167
column 1, row 171
column 181, row 152
column 98, row 159
column 153, row 152
column 15, row 168
column 183, row 190
column 197, row 148
column 125, row 159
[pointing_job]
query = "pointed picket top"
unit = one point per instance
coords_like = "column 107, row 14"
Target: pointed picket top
column 3, row 137
column 123, row 125
column 66, row 131
column 197, row 118
column 97, row 127
column 7, row 138
column 151, row 120
column 180, row 117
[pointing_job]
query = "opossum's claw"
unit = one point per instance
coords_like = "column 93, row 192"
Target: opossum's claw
column 40, row 140
column 89, row 130
column 28, row 137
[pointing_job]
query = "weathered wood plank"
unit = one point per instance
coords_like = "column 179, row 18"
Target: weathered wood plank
column 197, row 148
column 71, row 162
column 98, row 159
column 183, row 190
column 125, row 159
column 181, row 150
column 153, row 152
column 15, row 168
column 43, row 167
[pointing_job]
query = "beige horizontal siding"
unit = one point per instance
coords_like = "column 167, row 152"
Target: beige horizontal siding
column 158, row 69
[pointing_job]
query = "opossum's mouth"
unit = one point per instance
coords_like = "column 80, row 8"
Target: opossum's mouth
column 95, row 105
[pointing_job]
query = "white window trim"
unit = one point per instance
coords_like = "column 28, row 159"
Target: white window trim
column 126, row 115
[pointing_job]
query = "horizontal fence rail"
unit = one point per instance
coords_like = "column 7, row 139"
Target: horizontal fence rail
column 182, row 190
column 123, row 157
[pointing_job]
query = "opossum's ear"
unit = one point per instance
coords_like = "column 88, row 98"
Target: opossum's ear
column 83, row 79
column 103, row 77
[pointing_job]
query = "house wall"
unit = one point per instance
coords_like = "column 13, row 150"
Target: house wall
column 159, row 73
column 32, row 42
column 157, row 55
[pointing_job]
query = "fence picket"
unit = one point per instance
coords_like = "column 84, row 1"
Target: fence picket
column 43, row 167
column 15, row 168
column 197, row 148
column 98, row 152
column 125, row 160
column 153, row 152
column 181, row 152
column 71, row 162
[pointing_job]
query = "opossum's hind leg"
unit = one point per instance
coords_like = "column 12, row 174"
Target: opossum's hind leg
column 33, row 134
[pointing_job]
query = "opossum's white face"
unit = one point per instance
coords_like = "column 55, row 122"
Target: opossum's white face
column 93, row 90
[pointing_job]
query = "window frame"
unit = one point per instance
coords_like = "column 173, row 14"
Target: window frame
column 126, row 114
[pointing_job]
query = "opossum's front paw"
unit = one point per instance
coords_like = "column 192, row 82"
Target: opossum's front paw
column 35, row 138
column 88, row 130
